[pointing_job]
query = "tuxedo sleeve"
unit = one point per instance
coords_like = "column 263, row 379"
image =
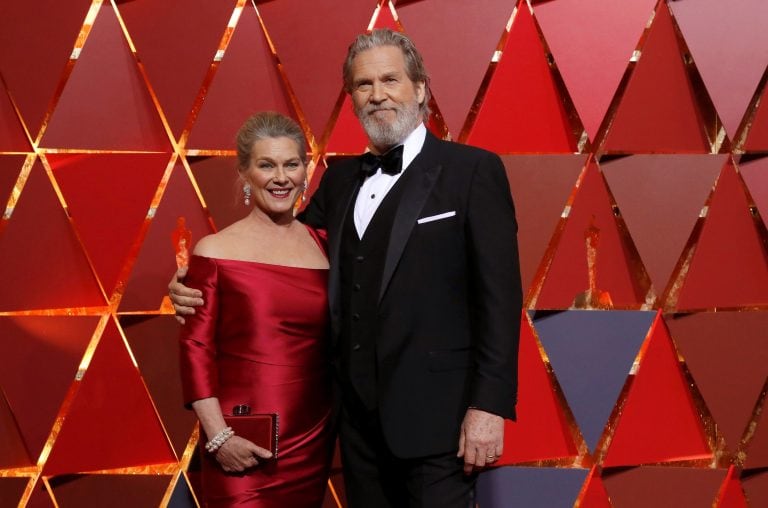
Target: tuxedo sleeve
column 496, row 293
column 314, row 214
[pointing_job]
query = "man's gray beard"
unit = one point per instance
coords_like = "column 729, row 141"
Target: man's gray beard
column 383, row 134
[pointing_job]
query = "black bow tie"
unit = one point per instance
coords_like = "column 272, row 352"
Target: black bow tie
column 390, row 163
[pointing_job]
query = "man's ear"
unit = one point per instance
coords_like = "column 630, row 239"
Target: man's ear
column 421, row 91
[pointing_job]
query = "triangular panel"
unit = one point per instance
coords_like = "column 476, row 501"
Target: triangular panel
column 757, row 447
column 39, row 356
column 757, row 135
column 660, row 198
column 616, row 269
column 729, row 43
column 532, row 487
column 115, row 491
column 658, row 112
column 217, row 179
column 182, row 496
column 11, row 490
column 755, row 175
column 729, row 266
column 663, row 487
column 659, row 421
column 108, row 226
column 756, row 488
column 455, row 38
column 110, row 414
column 737, row 341
column 176, row 41
column 385, row 18
column 313, row 59
column 541, row 431
column 591, row 353
column 13, row 451
column 592, row 42
column 28, row 260
column 41, row 497
column 155, row 264
column 245, row 82
column 32, row 64
column 10, row 166
column 594, row 495
column 731, row 494
column 522, row 110
column 12, row 136
column 540, row 185
column 154, row 342
column 106, row 97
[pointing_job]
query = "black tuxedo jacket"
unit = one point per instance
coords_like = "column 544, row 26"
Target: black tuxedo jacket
column 450, row 299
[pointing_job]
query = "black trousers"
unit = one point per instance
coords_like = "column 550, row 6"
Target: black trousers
column 375, row 478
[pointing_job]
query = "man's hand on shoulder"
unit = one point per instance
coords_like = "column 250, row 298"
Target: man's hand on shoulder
column 184, row 299
column 481, row 440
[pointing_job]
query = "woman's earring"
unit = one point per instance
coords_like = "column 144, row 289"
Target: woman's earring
column 304, row 192
column 247, row 194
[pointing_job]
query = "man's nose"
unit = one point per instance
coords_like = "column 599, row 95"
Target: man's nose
column 377, row 93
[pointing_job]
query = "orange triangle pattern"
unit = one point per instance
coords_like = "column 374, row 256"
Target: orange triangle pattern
column 731, row 493
column 247, row 65
column 116, row 87
column 730, row 264
column 148, row 281
column 757, row 136
column 658, row 421
column 108, row 227
column 29, row 262
column 522, row 111
column 107, row 75
column 12, row 136
column 112, row 396
column 13, row 452
column 658, row 111
column 615, row 263
column 594, row 495
column 541, row 432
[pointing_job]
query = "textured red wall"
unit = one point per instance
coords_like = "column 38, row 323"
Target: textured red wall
column 638, row 125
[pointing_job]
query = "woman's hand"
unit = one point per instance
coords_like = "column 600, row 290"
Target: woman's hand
column 238, row 454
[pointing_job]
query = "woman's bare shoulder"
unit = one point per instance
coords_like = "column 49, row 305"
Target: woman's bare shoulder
column 220, row 244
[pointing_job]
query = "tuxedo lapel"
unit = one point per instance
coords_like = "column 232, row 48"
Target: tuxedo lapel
column 347, row 193
column 411, row 203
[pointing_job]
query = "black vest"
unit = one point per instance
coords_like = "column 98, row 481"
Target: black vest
column 361, row 266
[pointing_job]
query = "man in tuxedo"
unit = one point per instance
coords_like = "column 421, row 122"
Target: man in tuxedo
column 424, row 291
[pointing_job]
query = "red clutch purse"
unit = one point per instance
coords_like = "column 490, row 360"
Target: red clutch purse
column 261, row 428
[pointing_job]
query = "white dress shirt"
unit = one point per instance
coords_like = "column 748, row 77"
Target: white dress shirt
column 376, row 186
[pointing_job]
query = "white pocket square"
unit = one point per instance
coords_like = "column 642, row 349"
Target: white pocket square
column 439, row 216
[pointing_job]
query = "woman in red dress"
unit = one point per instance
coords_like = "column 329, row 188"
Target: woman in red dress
column 260, row 337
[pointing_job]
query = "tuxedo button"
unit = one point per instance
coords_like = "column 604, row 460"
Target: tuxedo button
column 355, row 317
column 356, row 287
column 360, row 259
column 356, row 347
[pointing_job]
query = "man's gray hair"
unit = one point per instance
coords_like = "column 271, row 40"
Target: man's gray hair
column 414, row 64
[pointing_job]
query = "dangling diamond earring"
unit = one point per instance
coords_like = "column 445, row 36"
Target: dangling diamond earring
column 247, row 194
column 304, row 191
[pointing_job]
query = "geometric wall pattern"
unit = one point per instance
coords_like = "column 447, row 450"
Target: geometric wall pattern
column 635, row 138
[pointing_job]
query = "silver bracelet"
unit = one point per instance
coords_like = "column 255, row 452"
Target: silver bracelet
column 219, row 439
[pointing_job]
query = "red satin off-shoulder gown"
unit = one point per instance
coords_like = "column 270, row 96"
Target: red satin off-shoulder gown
column 261, row 339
